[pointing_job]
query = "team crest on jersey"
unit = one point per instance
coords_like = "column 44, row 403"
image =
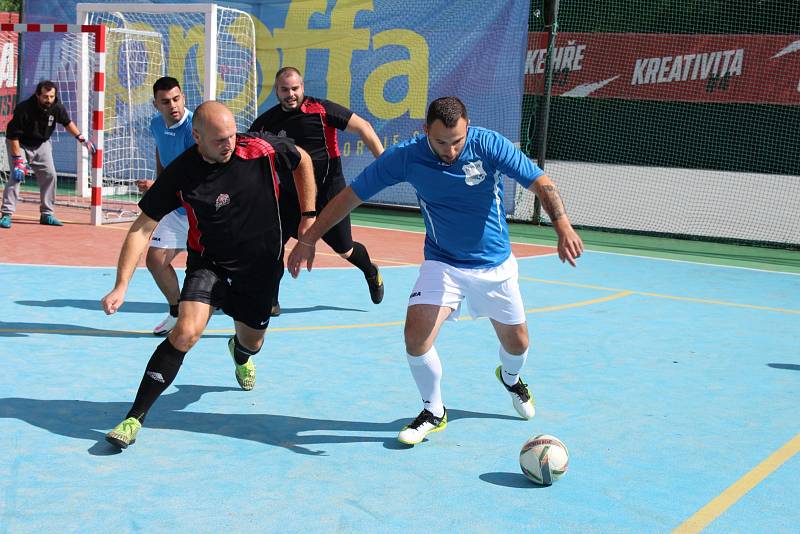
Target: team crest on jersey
column 282, row 133
column 222, row 200
column 474, row 173
column 50, row 120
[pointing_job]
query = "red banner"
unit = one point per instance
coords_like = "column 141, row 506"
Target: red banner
column 8, row 71
column 757, row 69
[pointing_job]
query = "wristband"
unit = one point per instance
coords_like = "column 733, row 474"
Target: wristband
column 78, row 137
column 304, row 243
column 312, row 213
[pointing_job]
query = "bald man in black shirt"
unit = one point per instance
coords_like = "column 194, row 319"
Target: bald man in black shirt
column 228, row 184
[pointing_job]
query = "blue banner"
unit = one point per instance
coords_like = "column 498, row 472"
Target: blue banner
column 385, row 60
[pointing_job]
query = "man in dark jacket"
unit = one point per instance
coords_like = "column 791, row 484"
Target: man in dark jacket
column 30, row 152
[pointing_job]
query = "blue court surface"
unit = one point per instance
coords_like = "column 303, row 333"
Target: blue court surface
column 675, row 386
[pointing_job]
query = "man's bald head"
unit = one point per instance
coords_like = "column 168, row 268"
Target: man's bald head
column 214, row 130
column 211, row 112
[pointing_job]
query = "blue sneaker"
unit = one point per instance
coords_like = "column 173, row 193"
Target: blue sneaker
column 5, row 221
column 48, row 219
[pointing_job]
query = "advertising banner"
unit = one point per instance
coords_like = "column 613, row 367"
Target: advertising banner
column 754, row 69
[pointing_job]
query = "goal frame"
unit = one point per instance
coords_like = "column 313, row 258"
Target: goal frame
column 97, row 130
column 210, row 13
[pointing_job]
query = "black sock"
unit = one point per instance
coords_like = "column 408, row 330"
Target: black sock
column 173, row 310
column 240, row 353
column 161, row 370
column 360, row 258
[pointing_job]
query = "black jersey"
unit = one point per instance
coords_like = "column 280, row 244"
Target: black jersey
column 232, row 207
column 31, row 125
column 313, row 126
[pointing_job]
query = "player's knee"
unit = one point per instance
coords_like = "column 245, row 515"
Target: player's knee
column 184, row 337
column 155, row 262
column 516, row 344
column 416, row 345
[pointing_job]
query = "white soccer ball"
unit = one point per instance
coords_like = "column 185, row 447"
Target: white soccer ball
column 544, row 459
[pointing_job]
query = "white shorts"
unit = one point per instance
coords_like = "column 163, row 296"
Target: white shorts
column 492, row 292
column 171, row 231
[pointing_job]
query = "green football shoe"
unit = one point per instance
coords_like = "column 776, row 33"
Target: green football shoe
column 424, row 424
column 521, row 396
column 245, row 374
column 124, row 434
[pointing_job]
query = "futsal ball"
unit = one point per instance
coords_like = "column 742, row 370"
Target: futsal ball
column 544, row 459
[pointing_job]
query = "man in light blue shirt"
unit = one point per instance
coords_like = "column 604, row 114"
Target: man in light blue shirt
column 172, row 129
column 456, row 170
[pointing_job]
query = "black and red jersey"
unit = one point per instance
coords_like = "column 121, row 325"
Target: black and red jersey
column 232, row 207
column 313, row 126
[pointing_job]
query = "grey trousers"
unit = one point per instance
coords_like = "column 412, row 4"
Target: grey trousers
column 41, row 161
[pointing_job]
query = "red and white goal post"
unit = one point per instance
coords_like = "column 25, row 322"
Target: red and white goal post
column 209, row 48
column 98, row 34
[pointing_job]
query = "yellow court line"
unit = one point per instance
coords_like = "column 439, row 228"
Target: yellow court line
column 708, row 513
column 663, row 296
column 90, row 332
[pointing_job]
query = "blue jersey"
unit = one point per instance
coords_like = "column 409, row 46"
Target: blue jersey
column 172, row 141
column 461, row 203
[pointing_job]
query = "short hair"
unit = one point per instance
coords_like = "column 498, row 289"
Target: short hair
column 44, row 86
column 284, row 70
column 166, row 83
column 447, row 109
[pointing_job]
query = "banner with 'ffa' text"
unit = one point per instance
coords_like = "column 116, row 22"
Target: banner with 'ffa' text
column 385, row 60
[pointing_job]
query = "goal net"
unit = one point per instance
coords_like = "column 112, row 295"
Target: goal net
column 134, row 61
column 75, row 57
column 210, row 49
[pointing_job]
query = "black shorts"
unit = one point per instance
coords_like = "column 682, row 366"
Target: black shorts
column 340, row 237
column 244, row 296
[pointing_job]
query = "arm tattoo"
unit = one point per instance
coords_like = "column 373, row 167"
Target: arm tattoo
column 552, row 203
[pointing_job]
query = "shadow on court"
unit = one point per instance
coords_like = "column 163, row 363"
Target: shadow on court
column 786, row 366
column 83, row 304
column 154, row 307
column 80, row 419
column 25, row 329
column 509, row 480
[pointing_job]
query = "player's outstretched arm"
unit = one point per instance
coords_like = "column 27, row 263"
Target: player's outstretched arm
column 359, row 126
column 73, row 129
column 303, row 252
column 135, row 243
column 570, row 245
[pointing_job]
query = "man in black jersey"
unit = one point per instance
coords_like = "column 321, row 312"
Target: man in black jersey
column 228, row 184
column 313, row 125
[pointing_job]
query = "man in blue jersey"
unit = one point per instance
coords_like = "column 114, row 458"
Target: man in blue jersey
column 457, row 171
column 172, row 129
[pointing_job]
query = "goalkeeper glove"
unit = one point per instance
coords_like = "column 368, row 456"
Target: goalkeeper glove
column 88, row 144
column 20, row 169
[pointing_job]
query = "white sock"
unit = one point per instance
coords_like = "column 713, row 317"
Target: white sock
column 427, row 372
column 511, row 365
